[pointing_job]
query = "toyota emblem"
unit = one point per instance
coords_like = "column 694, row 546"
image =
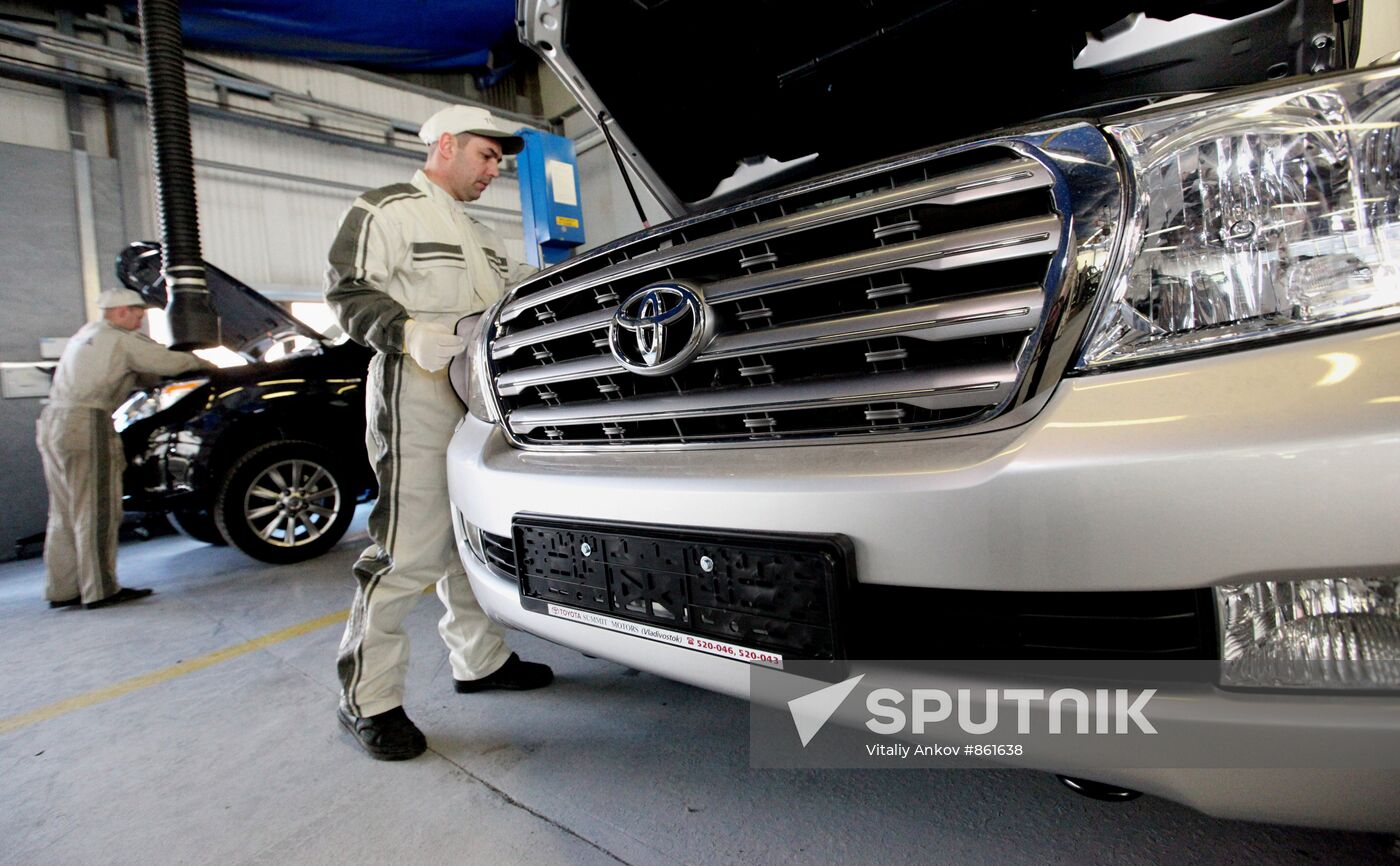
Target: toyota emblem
column 659, row 329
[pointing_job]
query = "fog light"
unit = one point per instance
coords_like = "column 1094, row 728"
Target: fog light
column 1338, row 633
column 474, row 542
column 469, row 533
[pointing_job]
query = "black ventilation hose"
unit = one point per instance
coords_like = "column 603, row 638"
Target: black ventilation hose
column 193, row 323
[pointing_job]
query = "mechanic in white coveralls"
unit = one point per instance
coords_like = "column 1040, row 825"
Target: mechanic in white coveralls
column 83, row 459
column 406, row 265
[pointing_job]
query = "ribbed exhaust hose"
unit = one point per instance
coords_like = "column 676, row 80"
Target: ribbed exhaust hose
column 193, row 323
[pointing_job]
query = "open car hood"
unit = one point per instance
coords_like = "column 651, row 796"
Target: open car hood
column 693, row 89
column 249, row 323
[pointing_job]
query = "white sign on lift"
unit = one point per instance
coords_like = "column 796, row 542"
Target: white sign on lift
column 561, row 182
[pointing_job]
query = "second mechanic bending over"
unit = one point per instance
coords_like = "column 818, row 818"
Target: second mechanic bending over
column 406, row 265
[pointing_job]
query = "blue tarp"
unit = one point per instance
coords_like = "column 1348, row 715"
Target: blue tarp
column 407, row 35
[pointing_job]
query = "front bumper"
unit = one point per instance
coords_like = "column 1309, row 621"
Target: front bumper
column 1278, row 460
column 1275, row 462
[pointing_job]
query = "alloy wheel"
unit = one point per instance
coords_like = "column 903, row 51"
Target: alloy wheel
column 292, row 502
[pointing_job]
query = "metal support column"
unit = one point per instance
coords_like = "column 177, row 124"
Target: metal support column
column 82, row 183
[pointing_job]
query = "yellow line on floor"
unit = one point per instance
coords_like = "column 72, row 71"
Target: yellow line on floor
column 59, row 708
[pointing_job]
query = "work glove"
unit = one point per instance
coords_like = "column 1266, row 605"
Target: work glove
column 431, row 344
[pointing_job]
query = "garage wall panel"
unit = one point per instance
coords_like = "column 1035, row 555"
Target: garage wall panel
column 32, row 116
column 273, row 232
column 40, row 275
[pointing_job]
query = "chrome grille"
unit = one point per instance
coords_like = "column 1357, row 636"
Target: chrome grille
column 901, row 299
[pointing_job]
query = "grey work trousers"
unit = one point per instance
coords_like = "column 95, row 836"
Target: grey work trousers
column 410, row 415
column 83, row 464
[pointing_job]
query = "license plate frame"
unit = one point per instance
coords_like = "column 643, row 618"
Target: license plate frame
column 766, row 596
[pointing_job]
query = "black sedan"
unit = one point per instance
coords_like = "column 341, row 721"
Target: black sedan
column 268, row 456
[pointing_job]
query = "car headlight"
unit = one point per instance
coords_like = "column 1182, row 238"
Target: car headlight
column 144, row 404
column 1256, row 219
column 1326, row 633
column 468, row 371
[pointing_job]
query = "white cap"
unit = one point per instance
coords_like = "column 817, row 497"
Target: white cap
column 110, row 299
column 478, row 121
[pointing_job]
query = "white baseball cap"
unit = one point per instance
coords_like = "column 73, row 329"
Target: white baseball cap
column 110, row 299
column 478, row 121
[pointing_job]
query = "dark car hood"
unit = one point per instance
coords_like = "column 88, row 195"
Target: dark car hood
column 693, row 88
column 249, row 323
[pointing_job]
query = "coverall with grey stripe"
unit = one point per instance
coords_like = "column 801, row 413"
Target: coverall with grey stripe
column 410, row 251
column 83, row 459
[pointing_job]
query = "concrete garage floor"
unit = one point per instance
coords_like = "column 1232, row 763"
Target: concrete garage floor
column 235, row 756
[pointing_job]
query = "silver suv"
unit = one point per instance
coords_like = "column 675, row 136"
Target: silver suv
column 1118, row 381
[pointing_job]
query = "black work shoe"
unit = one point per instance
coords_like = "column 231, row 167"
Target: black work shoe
column 387, row 736
column 126, row 593
column 72, row 602
column 514, row 674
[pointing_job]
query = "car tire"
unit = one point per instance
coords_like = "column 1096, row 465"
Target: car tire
column 198, row 523
column 286, row 502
